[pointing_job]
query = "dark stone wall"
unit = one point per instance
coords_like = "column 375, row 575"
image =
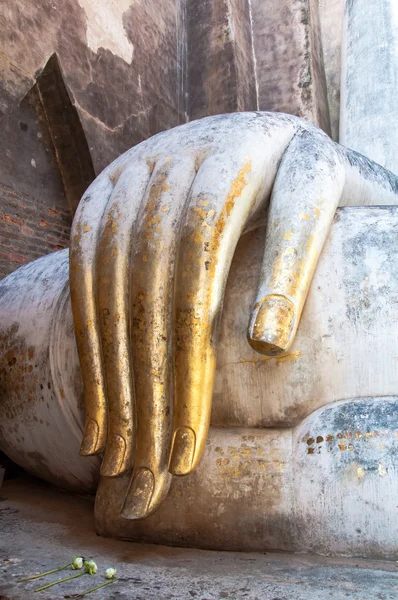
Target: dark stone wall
column 35, row 217
column 221, row 74
column 119, row 103
column 289, row 58
column 84, row 80
column 67, row 110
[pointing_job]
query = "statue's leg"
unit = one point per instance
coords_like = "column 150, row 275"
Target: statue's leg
column 41, row 410
column 297, row 478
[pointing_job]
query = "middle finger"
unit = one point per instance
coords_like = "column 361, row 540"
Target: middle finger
column 153, row 264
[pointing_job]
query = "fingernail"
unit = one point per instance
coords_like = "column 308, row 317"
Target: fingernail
column 114, row 456
column 139, row 494
column 183, row 451
column 273, row 325
column 90, row 438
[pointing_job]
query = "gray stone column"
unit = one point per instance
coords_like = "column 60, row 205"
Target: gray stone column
column 220, row 62
column 369, row 86
column 289, row 63
column 255, row 55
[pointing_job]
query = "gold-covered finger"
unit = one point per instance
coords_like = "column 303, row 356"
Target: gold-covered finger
column 223, row 198
column 82, row 277
column 152, row 291
column 113, row 266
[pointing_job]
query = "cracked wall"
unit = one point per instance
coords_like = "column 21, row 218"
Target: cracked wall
column 117, row 84
column 130, row 69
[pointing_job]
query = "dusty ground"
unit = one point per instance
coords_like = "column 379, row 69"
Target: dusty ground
column 41, row 527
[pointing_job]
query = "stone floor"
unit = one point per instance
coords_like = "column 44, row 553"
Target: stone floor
column 41, row 527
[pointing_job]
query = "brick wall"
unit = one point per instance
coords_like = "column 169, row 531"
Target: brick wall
column 35, row 217
column 29, row 229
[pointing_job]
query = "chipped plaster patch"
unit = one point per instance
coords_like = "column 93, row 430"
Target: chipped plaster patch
column 105, row 26
column 360, row 472
column 382, row 470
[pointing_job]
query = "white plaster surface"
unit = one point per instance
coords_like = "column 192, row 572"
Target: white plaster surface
column 369, row 107
column 346, row 349
column 105, row 26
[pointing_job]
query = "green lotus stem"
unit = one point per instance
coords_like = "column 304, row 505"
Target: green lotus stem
column 45, row 587
column 97, row 587
column 44, row 574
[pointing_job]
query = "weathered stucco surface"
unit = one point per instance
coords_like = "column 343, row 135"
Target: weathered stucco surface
column 289, row 59
column 39, row 375
column 98, row 77
column 105, row 27
column 267, row 448
column 107, row 75
column 120, row 102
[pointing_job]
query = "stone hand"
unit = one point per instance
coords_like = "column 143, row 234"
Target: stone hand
column 152, row 243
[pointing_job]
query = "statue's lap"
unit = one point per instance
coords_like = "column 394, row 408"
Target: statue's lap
column 302, row 448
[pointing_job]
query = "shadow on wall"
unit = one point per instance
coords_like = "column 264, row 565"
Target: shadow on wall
column 67, row 134
column 47, row 167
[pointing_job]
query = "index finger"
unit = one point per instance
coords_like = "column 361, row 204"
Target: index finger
column 223, row 197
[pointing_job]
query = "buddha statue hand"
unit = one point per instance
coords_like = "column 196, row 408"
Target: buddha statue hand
column 151, row 246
